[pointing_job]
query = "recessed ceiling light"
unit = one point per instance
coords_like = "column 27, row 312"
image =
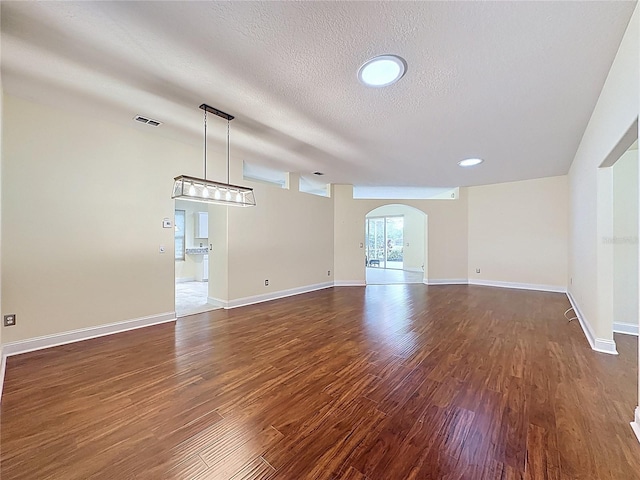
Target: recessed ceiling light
column 382, row 70
column 470, row 162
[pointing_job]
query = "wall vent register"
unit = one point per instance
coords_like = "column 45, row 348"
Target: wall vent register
column 147, row 121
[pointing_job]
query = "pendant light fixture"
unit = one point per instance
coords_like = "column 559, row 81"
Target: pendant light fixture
column 203, row 190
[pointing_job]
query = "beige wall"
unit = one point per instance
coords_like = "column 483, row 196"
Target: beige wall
column 81, row 243
column 286, row 239
column 73, row 246
column 614, row 114
column 415, row 229
column 446, row 227
column 518, row 233
column 219, row 254
column 82, row 210
column 2, row 311
column 625, row 239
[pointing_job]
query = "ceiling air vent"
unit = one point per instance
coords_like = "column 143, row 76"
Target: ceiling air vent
column 148, row 121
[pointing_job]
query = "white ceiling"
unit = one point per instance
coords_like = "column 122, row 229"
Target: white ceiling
column 511, row 82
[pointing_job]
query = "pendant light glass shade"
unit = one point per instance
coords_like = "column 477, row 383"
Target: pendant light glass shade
column 203, row 190
column 199, row 190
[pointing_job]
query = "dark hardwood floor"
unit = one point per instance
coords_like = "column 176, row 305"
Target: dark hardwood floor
column 388, row 382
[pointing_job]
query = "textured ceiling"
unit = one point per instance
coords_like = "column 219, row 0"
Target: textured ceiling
column 511, row 82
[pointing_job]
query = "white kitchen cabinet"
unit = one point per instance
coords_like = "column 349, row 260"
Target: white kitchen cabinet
column 202, row 225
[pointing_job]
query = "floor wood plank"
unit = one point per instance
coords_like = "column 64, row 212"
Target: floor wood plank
column 383, row 382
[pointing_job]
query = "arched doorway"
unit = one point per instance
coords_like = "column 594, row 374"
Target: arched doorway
column 395, row 245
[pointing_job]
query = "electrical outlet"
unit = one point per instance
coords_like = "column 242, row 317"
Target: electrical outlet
column 477, row 270
column 328, row 273
column 10, row 320
column 266, row 283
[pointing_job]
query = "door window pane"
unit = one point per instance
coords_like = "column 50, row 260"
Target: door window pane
column 395, row 242
column 179, row 234
column 384, row 242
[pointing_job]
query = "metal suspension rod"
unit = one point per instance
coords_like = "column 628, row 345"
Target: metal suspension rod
column 205, row 144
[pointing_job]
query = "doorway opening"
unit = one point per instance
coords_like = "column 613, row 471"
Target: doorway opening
column 385, row 241
column 624, row 242
column 395, row 245
column 191, row 258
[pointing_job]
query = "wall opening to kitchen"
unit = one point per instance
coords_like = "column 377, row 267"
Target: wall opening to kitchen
column 191, row 223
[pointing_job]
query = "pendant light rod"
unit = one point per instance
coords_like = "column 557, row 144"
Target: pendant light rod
column 205, row 145
column 228, row 118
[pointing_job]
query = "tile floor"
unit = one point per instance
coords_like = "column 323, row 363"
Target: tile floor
column 191, row 297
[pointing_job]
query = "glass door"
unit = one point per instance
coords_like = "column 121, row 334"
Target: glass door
column 384, row 242
column 375, row 242
column 394, row 229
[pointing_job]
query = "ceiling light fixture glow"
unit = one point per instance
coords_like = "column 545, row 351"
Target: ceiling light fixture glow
column 470, row 162
column 382, row 71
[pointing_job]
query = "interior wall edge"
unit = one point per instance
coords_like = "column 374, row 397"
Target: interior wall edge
column 635, row 425
column 601, row 345
column 630, row 136
column 3, row 366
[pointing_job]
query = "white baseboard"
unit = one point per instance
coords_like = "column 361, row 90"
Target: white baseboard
column 185, row 279
column 3, row 365
column 495, row 283
column 601, row 345
column 626, row 328
column 635, row 425
column 47, row 341
column 208, row 307
column 349, row 283
column 216, row 302
column 519, row 286
column 242, row 302
column 445, row 281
